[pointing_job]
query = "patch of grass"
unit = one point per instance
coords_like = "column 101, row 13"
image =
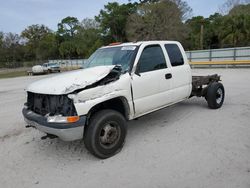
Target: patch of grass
column 13, row 74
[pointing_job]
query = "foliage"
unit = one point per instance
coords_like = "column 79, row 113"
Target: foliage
column 11, row 51
column 240, row 9
column 67, row 49
column 33, row 37
column 235, row 30
column 68, row 26
column 156, row 21
column 232, row 30
column 141, row 20
column 113, row 19
column 86, row 39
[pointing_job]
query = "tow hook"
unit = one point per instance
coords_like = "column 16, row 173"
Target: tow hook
column 50, row 136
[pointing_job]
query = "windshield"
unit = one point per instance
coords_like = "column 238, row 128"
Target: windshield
column 53, row 64
column 113, row 56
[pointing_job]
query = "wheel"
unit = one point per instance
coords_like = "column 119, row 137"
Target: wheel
column 215, row 95
column 105, row 134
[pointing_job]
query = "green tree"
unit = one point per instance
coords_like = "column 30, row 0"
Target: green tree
column 194, row 24
column 48, row 47
column 212, row 31
column 205, row 29
column 235, row 30
column 88, row 38
column 68, row 50
column 67, row 31
column 12, row 51
column 113, row 19
column 33, row 35
column 240, row 9
column 68, row 27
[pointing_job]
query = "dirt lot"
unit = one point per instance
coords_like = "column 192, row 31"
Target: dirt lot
column 186, row 145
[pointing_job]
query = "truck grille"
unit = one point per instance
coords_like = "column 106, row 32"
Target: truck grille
column 51, row 104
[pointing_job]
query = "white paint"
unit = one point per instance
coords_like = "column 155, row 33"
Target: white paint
column 68, row 82
column 151, row 90
column 37, row 69
column 182, row 77
column 132, row 48
column 87, row 99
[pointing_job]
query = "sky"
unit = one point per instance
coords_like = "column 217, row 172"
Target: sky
column 16, row 15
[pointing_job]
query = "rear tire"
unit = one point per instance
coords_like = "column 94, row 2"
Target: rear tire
column 105, row 134
column 215, row 95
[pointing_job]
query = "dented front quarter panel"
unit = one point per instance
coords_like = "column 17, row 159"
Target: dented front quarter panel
column 88, row 98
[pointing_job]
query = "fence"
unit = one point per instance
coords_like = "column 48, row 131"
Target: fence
column 69, row 64
column 220, row 56
column 225, row 56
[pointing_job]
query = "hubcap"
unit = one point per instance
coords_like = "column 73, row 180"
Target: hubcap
column 109, row 135
column 219, row 96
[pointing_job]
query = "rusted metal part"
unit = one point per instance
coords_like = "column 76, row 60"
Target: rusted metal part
column 200, row 84
column 198, row 81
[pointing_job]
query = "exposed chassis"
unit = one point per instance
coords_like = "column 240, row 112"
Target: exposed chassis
column 200, row 84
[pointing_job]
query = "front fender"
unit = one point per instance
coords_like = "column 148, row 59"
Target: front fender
column 87, row 99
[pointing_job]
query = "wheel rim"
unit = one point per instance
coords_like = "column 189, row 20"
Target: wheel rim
column 219, row 96
column 109, row 135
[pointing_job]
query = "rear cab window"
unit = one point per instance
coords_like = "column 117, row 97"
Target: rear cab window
column 174, row 54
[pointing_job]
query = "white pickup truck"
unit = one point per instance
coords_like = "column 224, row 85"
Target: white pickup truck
column 121, row 82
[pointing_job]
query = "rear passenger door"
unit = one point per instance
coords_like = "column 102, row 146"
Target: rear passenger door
column 151, row 81
column 181, row 72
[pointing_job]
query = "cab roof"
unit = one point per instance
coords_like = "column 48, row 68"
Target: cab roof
column 138, row 43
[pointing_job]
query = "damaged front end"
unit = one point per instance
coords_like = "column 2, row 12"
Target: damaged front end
column 50, row 105
column 55, row 114
column 114, row 75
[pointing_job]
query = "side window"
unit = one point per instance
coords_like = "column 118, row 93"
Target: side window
column 152, row 58
column 174, row 54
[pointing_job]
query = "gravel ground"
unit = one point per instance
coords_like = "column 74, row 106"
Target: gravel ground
column 186, row 145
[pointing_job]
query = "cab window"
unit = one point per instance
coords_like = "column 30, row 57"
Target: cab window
column 174, row 54
column 152, row 58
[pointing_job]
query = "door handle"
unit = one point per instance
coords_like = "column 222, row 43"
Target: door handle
column 168, row 76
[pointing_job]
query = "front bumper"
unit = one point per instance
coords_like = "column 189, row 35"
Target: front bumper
column 65, row 131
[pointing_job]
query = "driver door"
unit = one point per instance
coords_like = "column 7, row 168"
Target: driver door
column 151, row 83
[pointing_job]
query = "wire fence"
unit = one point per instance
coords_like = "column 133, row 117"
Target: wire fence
column 69, row 63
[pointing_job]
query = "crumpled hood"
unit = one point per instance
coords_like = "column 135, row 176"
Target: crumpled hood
column 66, row 83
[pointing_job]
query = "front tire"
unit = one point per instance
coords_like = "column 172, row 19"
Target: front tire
column 105, row 134
column 215, row 95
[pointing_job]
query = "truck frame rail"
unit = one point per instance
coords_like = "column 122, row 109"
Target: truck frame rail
column 201, row 83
